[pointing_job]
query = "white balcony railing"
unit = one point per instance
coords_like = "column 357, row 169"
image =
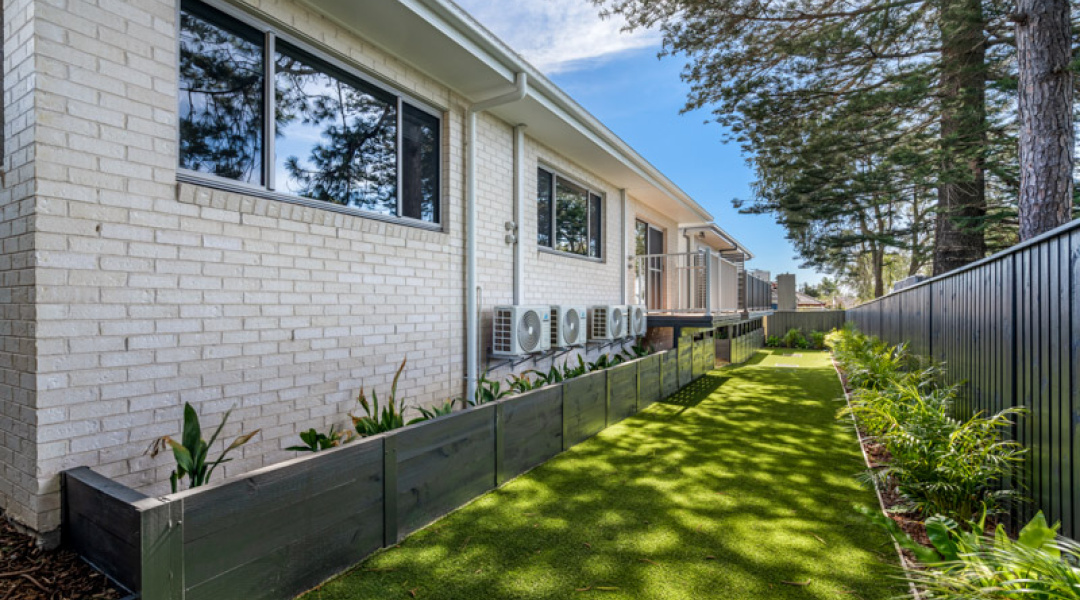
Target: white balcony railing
column 686, row 283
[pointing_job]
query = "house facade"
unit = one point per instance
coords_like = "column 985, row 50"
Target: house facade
column 263, row 205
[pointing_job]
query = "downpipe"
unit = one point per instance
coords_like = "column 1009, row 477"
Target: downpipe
column 472, row 290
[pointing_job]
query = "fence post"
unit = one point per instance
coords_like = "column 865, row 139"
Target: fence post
column 162, row 548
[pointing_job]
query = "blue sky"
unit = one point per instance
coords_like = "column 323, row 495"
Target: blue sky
column 618, row 78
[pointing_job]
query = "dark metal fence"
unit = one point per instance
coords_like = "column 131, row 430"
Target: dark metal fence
column 1008, row 326
column 275, row 532
column 779, row 322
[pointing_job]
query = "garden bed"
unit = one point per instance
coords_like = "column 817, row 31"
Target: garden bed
column 277, row 531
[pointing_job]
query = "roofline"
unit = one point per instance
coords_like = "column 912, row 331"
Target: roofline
column 480, row 38
column 719, row 230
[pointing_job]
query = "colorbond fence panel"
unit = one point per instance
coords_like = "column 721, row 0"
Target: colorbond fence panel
column 441, row 468
column 669, row 381
column 622, row 392
column 584, row 407
column 778, row 323
column 1009, row 328
column 649, row 384
column 533, row 425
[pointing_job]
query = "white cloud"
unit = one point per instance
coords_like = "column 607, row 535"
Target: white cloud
column 557, row 35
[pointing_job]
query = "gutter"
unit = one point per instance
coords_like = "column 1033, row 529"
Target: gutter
column 472, row 290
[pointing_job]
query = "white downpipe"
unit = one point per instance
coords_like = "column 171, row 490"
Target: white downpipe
column 519, row 213
column 625, row 250
column 472, row 290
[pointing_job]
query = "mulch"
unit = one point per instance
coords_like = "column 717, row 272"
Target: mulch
column 29, row 573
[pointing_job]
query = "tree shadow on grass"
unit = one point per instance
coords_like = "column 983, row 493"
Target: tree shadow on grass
column 741, row 493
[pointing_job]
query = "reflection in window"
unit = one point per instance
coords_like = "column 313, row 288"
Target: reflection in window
column 569, row 217
column 543, row 207
column 221, row 95
column 641, row 244
column 336, row 140
column 419, row 165
column 595, row 223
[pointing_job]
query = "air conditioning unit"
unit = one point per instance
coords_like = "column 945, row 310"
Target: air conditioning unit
column 639, row 320
column 519, row 330
column 607, row 323
column 569, row 326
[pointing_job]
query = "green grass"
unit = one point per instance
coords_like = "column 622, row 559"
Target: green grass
column 737, row 484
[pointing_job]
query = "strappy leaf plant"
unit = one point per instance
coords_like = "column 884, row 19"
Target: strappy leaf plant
column 376, row 419
column 428, row 414
column 314, row 441
column 192, row 451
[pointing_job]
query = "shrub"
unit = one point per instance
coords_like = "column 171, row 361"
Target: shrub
column 964, row 564
column 939, row 464
column 773, row 341
column 794, row 339
column 817, row 340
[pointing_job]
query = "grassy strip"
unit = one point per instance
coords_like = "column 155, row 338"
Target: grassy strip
column 740, row 486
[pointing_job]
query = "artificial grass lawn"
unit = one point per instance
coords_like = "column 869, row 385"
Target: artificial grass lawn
column 739, row 483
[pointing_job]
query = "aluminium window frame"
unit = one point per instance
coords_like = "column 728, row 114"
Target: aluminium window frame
column 274, row 30
column 590, row 191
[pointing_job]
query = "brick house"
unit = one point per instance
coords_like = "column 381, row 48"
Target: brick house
column 164, row 241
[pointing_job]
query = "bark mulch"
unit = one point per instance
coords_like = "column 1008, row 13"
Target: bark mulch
column 29, row 573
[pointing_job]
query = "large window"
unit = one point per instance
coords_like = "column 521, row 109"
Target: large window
column 336, row 138
column 569, row 216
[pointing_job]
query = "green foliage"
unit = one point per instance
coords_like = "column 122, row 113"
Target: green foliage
column 640, row 349
column 940, row 465
column 794, row 339
column 489, row 391
column 439, row 410
column 315, row 441
column 966, row 564
column 377, row 420
column 191, row 452
column 773, row 341
column 817, row 340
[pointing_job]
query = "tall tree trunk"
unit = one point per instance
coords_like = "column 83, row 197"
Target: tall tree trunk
column 959, row 237
column 877, row 255
column 1043, row 52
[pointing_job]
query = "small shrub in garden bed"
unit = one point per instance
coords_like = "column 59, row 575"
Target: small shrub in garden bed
column 948, row 471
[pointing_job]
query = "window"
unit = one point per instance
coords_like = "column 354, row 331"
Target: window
column 337, row 138
column 569, row 216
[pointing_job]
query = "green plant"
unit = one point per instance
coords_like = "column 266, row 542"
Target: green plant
column 794, row 339
column 376, row 420
column 964, row 563
column 489, row 391
column 519, row 384
column 552, row 376
column 315, row 441
column 773, row 341
column 192, row 450
column 569, row 372
column 439, row 410
column 640, row 349
column 817, row 340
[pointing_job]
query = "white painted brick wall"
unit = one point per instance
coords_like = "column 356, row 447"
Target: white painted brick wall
column 151, row 293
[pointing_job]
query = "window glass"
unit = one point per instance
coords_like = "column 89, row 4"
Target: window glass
column 641, row 237
column 595, row 225
column 221, row 81
column 571, row 218
column 336, row 138
column 543, row 207
column 419, row 165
